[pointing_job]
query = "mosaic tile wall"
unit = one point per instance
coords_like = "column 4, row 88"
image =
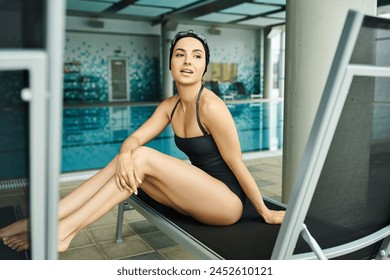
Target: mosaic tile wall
column 238, row 46
column 92, row 51
column 88, row 80
column 248, row 68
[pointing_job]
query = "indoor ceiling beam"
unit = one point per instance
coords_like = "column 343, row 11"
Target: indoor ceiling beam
column 116, row 7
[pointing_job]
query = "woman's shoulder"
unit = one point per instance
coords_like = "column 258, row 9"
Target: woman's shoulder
column 171, row 99
column 166, row 106
column 213, row 111
column 210, row 103
column 169, row 102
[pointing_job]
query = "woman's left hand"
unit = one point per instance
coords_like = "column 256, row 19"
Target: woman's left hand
column 127, row 176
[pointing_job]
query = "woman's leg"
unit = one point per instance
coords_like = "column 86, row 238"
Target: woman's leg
column 100, row 203
column 170, row 181
column 15, row 234
column 186, row 188
column 71, row 202
column 85, row 191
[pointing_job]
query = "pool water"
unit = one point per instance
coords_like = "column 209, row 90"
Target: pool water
column 92, row 135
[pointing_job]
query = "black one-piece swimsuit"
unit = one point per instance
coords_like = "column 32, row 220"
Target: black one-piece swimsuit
column 203, row 153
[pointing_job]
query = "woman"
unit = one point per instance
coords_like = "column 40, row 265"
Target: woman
column 211, row 189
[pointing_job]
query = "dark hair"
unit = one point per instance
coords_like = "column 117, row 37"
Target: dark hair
column 192, row 34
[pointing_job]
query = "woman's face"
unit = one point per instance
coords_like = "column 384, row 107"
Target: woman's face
column 188, row 61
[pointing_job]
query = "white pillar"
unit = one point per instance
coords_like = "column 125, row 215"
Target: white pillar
column 313, row 29
column 268, row 67
column 281, row 65
column 167, row 80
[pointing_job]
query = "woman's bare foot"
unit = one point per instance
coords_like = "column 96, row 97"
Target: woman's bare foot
column 15, row 228
column 19, row 242
column 63, row 245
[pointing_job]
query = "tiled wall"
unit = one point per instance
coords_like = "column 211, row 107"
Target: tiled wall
column 238, row 46
column 93, row 50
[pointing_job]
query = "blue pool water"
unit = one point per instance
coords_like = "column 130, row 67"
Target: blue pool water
column 92, row 135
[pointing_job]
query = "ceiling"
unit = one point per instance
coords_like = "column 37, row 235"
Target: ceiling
column 252, row 13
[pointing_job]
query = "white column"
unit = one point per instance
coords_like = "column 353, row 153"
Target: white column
column 281, row 65
column 167, row 81
column 268, row 67
column 313, row 29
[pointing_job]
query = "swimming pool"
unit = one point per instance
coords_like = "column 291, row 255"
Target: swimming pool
column 92, row 135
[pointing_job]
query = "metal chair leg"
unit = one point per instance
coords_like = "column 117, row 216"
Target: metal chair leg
column 122, row 207
column 119, row 223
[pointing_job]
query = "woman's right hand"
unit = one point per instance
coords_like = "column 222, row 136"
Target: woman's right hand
column 127, row 176
column 274, row 217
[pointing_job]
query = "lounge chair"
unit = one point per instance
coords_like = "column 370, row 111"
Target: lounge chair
column 339, row 207
column 214, row 87
column 242, row 93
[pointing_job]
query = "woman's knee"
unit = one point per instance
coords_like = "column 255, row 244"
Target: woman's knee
column 234, row 215
column 142, row 152
column 143, row 155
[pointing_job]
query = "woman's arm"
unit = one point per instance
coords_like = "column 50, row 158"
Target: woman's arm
column 127, row 176
column 219, row 122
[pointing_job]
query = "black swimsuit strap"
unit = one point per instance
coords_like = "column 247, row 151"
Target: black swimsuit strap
column 197, row 113
column 174, row 108
column 197, row 108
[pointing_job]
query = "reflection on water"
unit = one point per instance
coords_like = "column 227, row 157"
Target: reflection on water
column 92, row 136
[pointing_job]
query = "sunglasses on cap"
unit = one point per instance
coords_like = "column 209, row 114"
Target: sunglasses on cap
column 188, row 33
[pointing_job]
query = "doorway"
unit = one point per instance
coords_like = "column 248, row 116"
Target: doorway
column 118, row 79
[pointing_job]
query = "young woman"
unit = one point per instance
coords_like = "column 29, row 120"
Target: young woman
column 211, row 189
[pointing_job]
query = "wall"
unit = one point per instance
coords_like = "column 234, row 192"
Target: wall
column 235, row 45
column 93, row 50
column 140, row 43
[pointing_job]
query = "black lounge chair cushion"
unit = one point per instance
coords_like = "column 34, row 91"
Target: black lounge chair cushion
column 230, row 242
